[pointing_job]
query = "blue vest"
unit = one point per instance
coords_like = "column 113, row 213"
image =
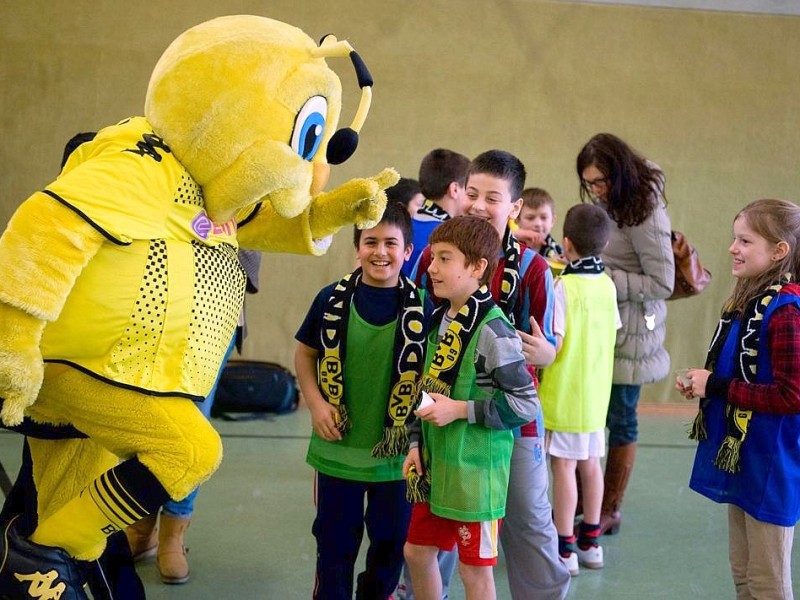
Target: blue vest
column 768, row 485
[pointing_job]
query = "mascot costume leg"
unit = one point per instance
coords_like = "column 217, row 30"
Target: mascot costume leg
column 125, row 287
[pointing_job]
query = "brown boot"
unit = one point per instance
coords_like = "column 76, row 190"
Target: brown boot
column 143, row 538
column 619, row 466
column 171, row 559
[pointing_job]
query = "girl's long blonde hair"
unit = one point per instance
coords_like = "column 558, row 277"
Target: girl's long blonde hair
column 775, row 221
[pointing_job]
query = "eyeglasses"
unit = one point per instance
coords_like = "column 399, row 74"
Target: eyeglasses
column 590, row 183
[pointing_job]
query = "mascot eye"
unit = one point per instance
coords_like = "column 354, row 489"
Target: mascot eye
column 309, row 127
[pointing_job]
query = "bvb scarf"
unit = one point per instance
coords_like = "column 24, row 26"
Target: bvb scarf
column 430, row 208
column 443, row 371
column 512, row 252
column 737, row 419
column 409, row 348
column 588, row 265
column 550, row 248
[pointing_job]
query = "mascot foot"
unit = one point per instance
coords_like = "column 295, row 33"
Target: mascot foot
column 30, row 570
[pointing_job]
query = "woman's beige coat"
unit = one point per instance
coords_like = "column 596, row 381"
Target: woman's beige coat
column 640, row 262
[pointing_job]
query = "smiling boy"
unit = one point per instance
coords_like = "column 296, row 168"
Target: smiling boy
column 536, row 220
column 477, row 376
column 522, row 286
column 359, row 355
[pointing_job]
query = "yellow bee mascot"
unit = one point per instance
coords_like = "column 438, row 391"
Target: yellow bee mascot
column 120, row 286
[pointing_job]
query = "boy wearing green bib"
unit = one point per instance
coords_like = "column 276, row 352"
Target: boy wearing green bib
column 358, row 360
column 458, row 468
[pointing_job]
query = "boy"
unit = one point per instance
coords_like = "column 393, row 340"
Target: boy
column 442, row 174
column 359, row 356
column 576, row 391
column 476, row 375
column 535, row 222
column 408, row 193
column 522, row 286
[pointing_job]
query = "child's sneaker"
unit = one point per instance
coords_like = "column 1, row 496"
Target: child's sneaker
column 571, row 562
column 591, row 558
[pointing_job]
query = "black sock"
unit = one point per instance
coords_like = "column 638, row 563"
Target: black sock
column 588, row 535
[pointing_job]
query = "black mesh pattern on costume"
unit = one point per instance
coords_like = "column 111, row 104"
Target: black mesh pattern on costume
column 219, row 287
column 189, row 192
column 138, row 347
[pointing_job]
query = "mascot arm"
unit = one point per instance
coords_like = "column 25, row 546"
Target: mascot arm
column 359, row 201
column 269, row 232
column 47, row 245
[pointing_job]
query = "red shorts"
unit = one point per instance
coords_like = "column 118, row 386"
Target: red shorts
column 476, row 541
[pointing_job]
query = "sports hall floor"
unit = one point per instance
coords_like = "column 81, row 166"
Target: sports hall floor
column 251, row 533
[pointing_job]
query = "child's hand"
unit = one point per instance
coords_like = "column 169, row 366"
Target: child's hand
column 529, row 237
column 697, row 387
column 412, row 459
column 324, row 417
column 535, row 347
column 699, row 377
column 443, row 411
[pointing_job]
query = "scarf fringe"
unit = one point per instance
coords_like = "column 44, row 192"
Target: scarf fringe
column 728, row 456
column 432, row 385
column 418, row 489
column 393, row 443
column 343, row 422
column 698, row 431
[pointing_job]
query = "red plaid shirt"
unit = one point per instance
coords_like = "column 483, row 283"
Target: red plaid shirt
column 782, row 396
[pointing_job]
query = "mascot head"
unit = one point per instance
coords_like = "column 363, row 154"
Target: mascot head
column 249, row 107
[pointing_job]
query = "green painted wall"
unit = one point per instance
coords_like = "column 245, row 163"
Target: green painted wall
column 714, row 98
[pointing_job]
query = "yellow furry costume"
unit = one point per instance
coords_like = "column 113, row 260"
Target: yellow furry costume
column 120, row 288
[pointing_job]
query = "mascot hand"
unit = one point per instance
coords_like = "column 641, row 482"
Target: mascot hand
column 359, row 201
column 21, row 366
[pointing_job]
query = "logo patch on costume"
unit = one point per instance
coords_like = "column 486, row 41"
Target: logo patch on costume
column 149, row 146
column 41, row 585
column 203, row 226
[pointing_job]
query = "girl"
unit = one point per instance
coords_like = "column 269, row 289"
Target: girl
column 748, row 425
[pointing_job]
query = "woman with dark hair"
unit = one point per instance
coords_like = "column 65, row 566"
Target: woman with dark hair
column 639, row 260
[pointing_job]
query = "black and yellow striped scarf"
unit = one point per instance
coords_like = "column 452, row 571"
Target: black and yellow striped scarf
column 409, row 352
column 737, row 419
column 430, row 208
column 443, row 371
column 512, row 252
column 550, row 248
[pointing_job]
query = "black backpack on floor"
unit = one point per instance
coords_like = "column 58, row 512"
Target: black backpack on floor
column 251, row 386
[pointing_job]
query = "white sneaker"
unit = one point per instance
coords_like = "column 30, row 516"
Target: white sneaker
column 400, row 592
column 571, row 562
column 591, row 558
